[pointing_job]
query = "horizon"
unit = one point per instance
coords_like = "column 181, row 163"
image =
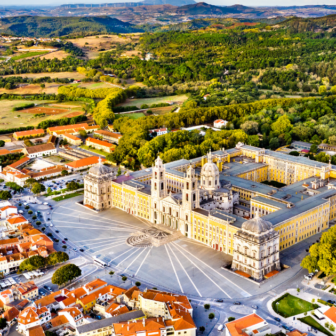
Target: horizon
column 248, row 3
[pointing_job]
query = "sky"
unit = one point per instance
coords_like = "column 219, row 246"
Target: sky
column 213, row 2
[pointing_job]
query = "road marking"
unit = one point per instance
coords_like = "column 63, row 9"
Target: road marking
column 135, row 259
column 143, row 261
column 178, row 260
column 89, row 214
column 129, row 256
column 177, row 278
column 248, row 294
column 117, row 240
column 94, row 225
column 109, row 263
column 199, row 244
column 203, row 273
column 79, row 241
column 108, row 247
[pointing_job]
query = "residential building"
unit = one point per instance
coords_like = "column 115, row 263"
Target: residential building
column 159, row 131
column 11, row 315
column 101, row 145
column 28, row 134
column 7, row 211
column 220, row 123
column 14, row 220
column 41, row 150
column 25, row 291
column 110, row 136
column 32, row 317
column 71, row 129
column 73, row 315
column 251, row 325
column 85, row 163
column 71, row 139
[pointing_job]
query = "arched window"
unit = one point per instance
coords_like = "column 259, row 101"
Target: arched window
column 187, row 197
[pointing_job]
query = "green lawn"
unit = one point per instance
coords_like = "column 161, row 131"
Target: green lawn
column 157, row 100
column 62, row 198
column 29, row 54
column 130, row 115
column 289, row 305
column 97, row 151
column 313, row 323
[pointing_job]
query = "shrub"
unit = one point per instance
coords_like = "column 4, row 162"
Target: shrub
column 231, row 318
column 138, row 283
column 211, row 316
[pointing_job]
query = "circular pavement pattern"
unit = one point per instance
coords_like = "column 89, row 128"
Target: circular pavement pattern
column 182, row 265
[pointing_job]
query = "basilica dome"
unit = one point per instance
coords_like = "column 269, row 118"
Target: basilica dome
column 210, row 175
column 257, row 225
column 100, row 169
column 210, row 169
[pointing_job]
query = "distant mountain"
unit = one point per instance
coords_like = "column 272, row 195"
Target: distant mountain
column 169, row 2
column 38, row 26
column 202, row 8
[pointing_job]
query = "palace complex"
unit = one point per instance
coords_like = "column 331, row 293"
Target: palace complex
column 220, row 200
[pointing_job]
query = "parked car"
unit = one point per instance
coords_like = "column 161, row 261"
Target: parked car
column 254, row 307
column 219, row 300
column 237, row 303
column 82, row 250
column 63, row 241
column 57, row 231
column 65, row 238
column 220, row 327
column 277, row 319
column 285, row 327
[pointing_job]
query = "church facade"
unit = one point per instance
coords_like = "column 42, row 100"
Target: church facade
column 219, row 200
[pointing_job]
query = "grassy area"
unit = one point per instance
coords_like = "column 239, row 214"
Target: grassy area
column 275, row 184
column 29, row 54
column 57, row 159
column 130, row 115
column 314, row 324
column 62, row 198
column 10, row 119
column 97, row 151
column 157, row 100
column 289, row 305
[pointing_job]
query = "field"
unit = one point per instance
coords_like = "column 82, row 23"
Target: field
column 149, row 101
column 73, row 75
column 130, row 115
column 46, row 110
column 289, row 305
column 92, row 45
column 61, row 198
column 10, row 119
column 97, row 151
column 29, row 54
column 60, row 54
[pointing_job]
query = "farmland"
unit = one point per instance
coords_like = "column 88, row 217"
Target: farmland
column 73, row 75
column 149, row 101
column 28, row 54
column 10, row 119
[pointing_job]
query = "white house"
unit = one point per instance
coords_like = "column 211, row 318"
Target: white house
column 159, row 131
column 219, row 123
column 41, row 150
column 250, row 325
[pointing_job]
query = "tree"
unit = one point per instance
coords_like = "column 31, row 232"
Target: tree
column 231, row 318
column 111, row 272
column 211, row 316
column 322, row 255
column 206, row 306
column 82, row 133
column 282, row 125
column 57, row 257
column 49, row 191
column 3, row 323
column 250, row 127
column 274, row 143
column 37, row 188
column 313, row 148
column 124, row 278
column 333, row 89
column 5, row 195
column 202, row 329
column 332, row 140
column 294, row 153
column 119, row 171
column 33, row 263
column 2, row 143
column 65, row 274
column 322, row 90
column 14, row 186
column 72, row 186
column 64, row 172
column 42, row 85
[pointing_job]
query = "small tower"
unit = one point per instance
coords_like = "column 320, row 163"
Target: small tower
column 190, row 192
column 159, row 185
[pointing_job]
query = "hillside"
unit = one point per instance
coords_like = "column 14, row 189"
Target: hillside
column 299, row 25
column 59, row 26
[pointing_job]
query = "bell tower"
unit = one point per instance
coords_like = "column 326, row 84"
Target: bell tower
column 190, row 192
column 159, row 185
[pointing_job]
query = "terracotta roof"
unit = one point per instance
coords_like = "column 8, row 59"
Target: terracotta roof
column 9, row 241
column 40, row 148
column 16, row 219
column 70, row 136
column 73, row 311
column 28, row 315
column 85, row 162
column 129, row 292
column 49, row 299
column 133, row 327
column 109, row 134
column 4, row 151
column 99, row 142
column 8, row 207
column 296, row 333
column 10, row 314
column 97, row 283
column 331, row 313
column 31, row 132
column 68, row 127
column 116, row 309
column 36, row 331
column 236, row 328
column 19, row 162
column 59, row 320
column 26, row 287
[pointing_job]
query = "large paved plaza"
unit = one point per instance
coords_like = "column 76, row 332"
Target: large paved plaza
column 182, row 265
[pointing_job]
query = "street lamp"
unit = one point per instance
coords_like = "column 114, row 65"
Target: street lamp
column 277, row 305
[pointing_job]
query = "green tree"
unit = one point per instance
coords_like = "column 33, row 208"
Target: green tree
column 33, row 263
column 282, row 125
column 207, row 306
column 49, row 191
column 231, row 318
column 250, row 127
column 3, row 323
column 322, row 90
column 5, row 195
column 119, row 171
column 14, row 186
column 138, row 283
column 64, row 172
column 72, row 186
column 274, row 143
column 322, row 255
column 294, row 153
column 65, row 274
column 124, row 278
column 211, row 316
column 82, row 133
column 29, row 182
column 57, row 257
column 2, row 143
column 314, row 148
column 202, row 329
column 37, row 188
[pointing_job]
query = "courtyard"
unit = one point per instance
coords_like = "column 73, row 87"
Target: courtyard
column 181, row 265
